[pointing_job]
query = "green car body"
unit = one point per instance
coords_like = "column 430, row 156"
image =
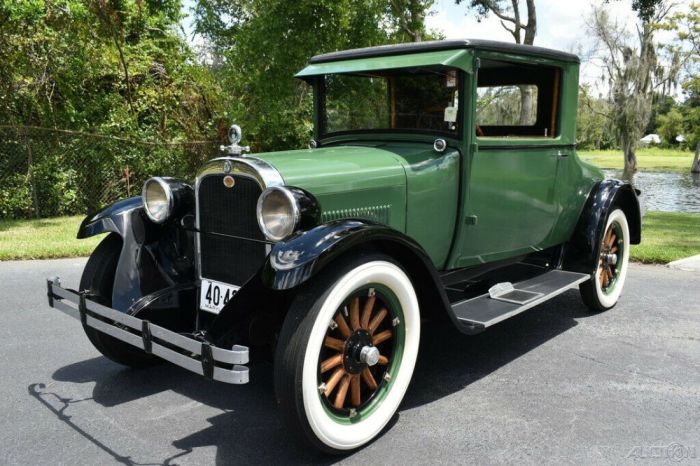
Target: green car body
column 484, row 199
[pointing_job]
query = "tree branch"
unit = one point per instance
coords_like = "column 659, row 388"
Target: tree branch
column 503, row 17
column 512, row 31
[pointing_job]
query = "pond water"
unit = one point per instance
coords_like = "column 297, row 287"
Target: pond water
column 665, row 191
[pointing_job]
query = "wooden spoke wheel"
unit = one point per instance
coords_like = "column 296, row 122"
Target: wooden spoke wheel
column 346, row 353
column 603, row 290
column 609, row 256
column 357, row 349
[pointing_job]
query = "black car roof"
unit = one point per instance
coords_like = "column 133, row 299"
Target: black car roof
column 438, row 45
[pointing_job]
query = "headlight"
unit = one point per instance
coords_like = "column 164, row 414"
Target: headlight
column 278, row 213
column 157, row 199
column 165, row 197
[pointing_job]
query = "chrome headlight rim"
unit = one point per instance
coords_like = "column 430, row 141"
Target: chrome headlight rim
column 293, row 204
column 167, row 190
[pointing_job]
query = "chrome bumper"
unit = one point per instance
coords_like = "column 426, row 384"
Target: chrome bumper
column 199, row 357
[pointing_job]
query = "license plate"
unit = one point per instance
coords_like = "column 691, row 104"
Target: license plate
column 215, row 295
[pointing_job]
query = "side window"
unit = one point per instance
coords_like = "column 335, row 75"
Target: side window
column 507, row 105
column 517, row 100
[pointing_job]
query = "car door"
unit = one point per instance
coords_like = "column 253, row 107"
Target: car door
column 509, row 194
column 510, row 200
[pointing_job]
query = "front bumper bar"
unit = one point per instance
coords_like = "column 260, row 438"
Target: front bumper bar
column 199, row 357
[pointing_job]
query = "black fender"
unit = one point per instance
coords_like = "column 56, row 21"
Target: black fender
column 296, row 260
column 153, row 257
column 583, row 249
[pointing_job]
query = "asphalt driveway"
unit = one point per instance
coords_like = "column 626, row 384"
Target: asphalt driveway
column 554, row 385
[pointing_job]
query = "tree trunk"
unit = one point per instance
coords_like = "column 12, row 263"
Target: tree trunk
column 125, row 67
column 630, row 149
column 695, row 168
column 531, row 28
column 526, row 105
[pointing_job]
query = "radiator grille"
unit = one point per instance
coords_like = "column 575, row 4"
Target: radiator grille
column 227, row 224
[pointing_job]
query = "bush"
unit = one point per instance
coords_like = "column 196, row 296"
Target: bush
column 16, row 197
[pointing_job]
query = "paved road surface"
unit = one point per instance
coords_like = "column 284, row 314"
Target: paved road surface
column 554, row 385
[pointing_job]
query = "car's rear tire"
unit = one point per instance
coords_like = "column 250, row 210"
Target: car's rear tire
column 98, row 281
column 603, row 290
column 341, row 406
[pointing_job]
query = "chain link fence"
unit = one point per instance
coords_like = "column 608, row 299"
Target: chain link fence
column 52, row 172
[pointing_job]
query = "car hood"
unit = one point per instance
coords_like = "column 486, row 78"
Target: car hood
column 358, row 181
column 331, row 170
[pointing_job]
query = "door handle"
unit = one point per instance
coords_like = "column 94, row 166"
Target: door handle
column 561, row 154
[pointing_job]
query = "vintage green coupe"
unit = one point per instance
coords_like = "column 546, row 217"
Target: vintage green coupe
column 442, row 180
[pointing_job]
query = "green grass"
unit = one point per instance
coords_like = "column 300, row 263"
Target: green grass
column 665, row 238
column 45, row 238
column 650, row 158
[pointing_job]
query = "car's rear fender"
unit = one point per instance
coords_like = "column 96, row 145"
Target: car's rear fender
column 583, row 249
column 153, row 257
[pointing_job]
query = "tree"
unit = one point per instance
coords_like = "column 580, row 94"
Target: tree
column 262, row 43
column 670, row 125
column 593, row 121
column 510, row 14
column 687, row 24
column 662, row 103
column 634, row 73
column 409, row 17
column 87, row 73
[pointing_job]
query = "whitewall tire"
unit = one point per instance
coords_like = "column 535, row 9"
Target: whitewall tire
column 603, row 290
column 364, row 314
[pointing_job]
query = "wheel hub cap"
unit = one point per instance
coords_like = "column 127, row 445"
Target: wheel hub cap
column 353, row 360
column 611, row 259
column 369, row 355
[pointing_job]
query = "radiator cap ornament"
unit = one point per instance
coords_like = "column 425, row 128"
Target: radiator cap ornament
column 234, row 134
column 234, row 137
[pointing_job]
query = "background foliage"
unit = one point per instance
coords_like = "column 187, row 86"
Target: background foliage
column 97, row 95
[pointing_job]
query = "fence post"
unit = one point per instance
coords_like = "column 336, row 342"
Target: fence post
column 127, row 176
column 30, row 171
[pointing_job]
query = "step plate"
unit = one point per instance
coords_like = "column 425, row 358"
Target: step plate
column 484, row 311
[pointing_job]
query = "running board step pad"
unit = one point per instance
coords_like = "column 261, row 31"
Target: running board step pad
column 484, row 311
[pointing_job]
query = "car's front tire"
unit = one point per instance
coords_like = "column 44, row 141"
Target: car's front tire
column 603, row 290
column 346, row 353
column 98, row 281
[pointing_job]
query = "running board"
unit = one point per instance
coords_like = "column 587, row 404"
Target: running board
column 484, row 311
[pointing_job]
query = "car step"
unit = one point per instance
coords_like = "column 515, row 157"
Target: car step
column 485, row 310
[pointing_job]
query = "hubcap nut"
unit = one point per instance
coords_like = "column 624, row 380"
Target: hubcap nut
column 369, row 355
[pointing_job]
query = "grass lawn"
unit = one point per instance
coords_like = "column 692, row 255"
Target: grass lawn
column 650, row 158
column 665, row 238
column 44, row 238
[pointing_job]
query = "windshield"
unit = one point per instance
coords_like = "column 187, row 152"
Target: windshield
column 424, row 99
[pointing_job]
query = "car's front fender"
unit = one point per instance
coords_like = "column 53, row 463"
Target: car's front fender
column 295, row 260
column 115, row 218
column 153, row 257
